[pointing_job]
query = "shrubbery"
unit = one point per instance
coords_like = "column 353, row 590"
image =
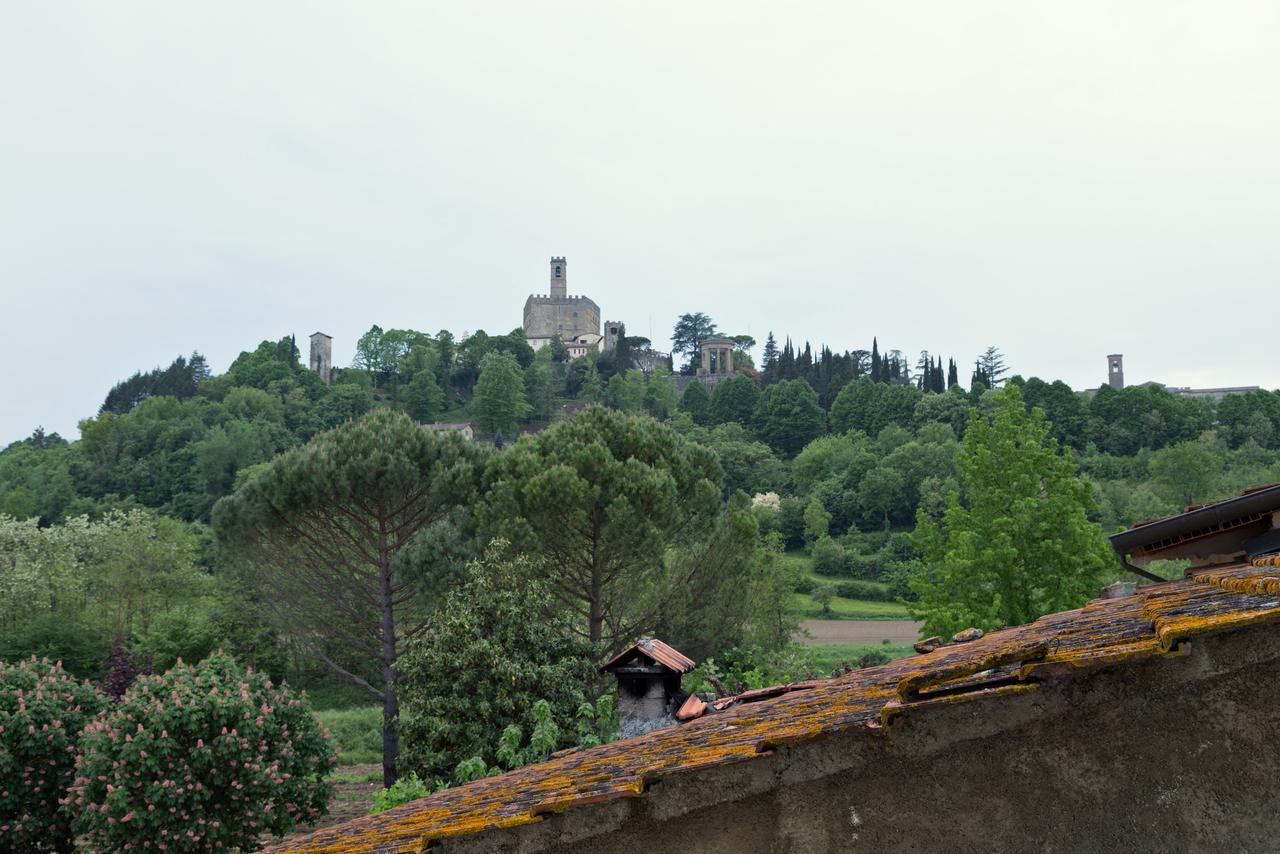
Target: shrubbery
column 829, row 557
column 42, row 710
column 202, row 757
column 856, row 589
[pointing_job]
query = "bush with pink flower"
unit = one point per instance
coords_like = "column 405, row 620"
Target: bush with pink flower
column 42, row 710
column 200, row 758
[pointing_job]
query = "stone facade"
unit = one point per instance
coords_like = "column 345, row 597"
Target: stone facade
column 1115, row 371
column 322, row 356
column 557, row 313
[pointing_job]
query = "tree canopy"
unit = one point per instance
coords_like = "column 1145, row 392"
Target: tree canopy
column 328, row 525
column 1019, row 543
column 599, row 499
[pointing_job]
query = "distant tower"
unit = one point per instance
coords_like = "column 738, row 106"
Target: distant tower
column 613, row 332
column 1115, row 371
column 559, row 277
column 322, row 355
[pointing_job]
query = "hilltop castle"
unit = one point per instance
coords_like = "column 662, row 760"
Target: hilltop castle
column 575, row 319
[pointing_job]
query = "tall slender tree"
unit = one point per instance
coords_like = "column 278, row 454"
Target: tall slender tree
column 326, row 531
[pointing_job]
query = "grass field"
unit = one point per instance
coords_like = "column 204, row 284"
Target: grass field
column 841, row 609
column 357, row 732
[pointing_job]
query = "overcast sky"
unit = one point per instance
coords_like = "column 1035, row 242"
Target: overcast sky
column 1063, row 180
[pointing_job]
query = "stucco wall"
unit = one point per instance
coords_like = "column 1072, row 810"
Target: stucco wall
column 1179, row 754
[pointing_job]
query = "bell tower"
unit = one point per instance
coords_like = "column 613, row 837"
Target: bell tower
column 1115, row 371
column 559, row 277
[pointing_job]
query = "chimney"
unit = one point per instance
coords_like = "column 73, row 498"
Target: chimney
column 648, row 674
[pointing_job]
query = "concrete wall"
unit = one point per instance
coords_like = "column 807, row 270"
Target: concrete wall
column 1179, row 754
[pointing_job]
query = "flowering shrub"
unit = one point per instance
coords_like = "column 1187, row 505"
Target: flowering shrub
column 200, row 758
column 42, row 710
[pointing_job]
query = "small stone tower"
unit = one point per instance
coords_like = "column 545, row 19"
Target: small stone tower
column 1115, row 371
column 322, row 355
column 613, row 332
column 559, row 277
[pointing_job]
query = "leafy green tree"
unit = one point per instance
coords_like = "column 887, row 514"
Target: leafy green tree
column 537, row 384
column 601, row 499
column 344, row 402
column 696, row 402
column 1186, row 473
column 626, row 390
column 327, row 529
column 1020, row 544
column 497, row 647
column 748, row 465
column 423, row 399
column 689, row 333
column 870, row 407
column 660, row 396
column 499, row 403
column 734, row 399
column 788, row 416
column 817, row 521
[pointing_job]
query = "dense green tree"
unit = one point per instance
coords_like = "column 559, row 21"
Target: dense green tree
column 1186, row 473
column 870, row 407
column 537, row 384
column 626, row 391
column 696, row 402
column 660, row 395
column 600, row 499
column 734, row 399
column 689, row 333
column 326, row 528
column 423, row 399
column 499, row 403
column 817, row 521
column 344, row 402
column 496, row 648
column 1019, row 544
column 788, row 416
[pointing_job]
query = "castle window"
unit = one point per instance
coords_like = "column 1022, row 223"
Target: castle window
column 557, row 272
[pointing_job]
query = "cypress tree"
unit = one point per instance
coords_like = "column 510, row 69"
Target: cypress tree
column 769, row 363
column 953, row 375
column 876, row 373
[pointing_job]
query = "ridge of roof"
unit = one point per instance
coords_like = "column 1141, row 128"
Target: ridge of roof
column 1154, row 622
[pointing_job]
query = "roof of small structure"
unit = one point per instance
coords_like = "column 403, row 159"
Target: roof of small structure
column 446, row 427
column 1253, row 507
column 657, row 652
column 1155, row 622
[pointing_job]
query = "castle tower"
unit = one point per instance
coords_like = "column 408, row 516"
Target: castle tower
column 322, row 355
column 1115, row 371
column 613, row 332
column 559, row 277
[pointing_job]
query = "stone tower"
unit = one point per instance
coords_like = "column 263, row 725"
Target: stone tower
column 559, row 277
column 322, row 355
column 1115, row 371
column 613, row 332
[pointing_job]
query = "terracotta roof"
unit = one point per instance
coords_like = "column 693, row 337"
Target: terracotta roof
column 1155, row 622
column 655, row 650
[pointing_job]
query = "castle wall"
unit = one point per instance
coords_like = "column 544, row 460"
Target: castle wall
column 568, row 317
